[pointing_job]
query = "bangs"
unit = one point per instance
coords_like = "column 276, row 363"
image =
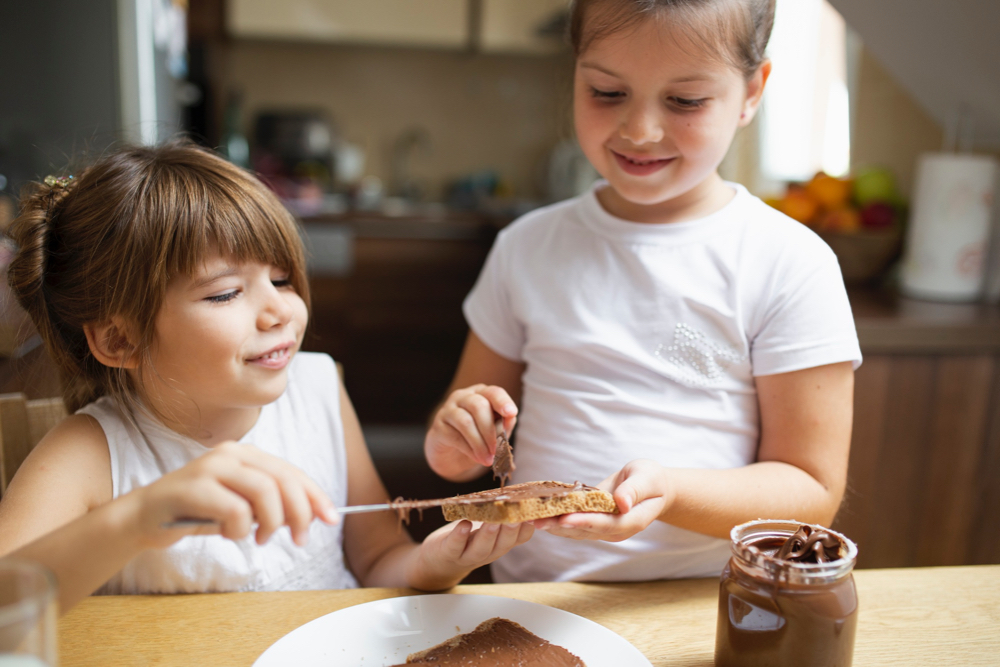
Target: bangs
column 189, row 204
column 198, row 207
column 243, row 222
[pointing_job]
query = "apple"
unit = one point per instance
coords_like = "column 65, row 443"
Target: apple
column 874, row 184
column 878, row 215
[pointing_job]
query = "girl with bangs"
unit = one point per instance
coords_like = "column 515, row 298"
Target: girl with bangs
column 169, row 287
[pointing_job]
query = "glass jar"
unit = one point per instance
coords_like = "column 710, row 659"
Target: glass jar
column 778, row 612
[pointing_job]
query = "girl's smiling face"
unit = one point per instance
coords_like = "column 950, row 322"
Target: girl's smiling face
column 224, row 338
column 655, row 116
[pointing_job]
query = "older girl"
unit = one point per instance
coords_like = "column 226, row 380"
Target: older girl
column 666, row 332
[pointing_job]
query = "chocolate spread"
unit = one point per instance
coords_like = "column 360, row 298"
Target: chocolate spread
column 496, row 642
column 511, row 493
column 503, row 458
column 811, row 545
column 787, row 597
column 514, row 493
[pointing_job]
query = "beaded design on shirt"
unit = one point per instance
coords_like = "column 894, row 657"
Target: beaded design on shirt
column 694, row 359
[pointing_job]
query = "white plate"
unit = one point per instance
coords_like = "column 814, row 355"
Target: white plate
column 384, row 632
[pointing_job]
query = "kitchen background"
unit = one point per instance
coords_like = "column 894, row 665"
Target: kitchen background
column 405, row 134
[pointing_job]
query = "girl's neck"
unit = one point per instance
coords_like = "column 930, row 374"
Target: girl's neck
column 208, row 427
column 706, row 198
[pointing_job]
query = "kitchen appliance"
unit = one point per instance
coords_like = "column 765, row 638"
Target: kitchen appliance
column 950, row 229
column 302, row 142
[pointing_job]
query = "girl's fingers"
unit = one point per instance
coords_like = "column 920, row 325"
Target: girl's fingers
column 456, row 541
column 262, row 492
column 510, row 536
column 211, row 500
column 321, row 504
column 297, row 508
column 502, row 404
column 302, row 499
column 481, row 410
column 525, row 531
column 469, row 436
column 481, row 544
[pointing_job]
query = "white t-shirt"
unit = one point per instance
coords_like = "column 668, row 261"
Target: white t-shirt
column 642, row 341
column 302, row 427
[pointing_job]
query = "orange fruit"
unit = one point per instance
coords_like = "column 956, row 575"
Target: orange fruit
column 843, row 219
column 800, row 205
column 830, row 192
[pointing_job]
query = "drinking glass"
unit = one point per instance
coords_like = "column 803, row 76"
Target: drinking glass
column 28, row 615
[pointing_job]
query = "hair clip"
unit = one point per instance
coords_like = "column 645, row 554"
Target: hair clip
column 61, row 181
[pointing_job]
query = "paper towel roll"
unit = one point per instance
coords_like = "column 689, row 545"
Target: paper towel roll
column 950, row 227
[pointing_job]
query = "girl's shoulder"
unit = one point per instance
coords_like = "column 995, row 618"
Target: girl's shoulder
column 541, row 218
column 312, row 377
column 313, row 367
column 74, row 458
column 772, row 232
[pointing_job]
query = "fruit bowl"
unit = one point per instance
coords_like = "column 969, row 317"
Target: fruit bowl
column 864, row 254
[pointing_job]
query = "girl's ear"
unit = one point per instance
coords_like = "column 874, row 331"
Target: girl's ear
column 755, row 91
column 111, row 343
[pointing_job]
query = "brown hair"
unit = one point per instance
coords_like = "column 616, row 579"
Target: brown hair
column 736, row 31
column 107, row 242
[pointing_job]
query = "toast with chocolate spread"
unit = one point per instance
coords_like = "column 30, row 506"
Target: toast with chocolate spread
column 528, row 501
column 496, row 642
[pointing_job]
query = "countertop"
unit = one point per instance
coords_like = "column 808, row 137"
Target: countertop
column 890, row 323
column 913, row 616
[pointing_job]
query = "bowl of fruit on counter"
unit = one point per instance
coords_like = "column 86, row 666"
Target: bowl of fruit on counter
column 860, row 216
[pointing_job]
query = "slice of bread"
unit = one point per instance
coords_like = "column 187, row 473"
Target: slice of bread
column 496, row 641
column 528, row 501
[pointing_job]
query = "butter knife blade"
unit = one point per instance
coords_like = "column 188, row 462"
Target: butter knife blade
column 351, row 509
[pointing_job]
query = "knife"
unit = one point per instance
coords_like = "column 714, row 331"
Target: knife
column 351, row 509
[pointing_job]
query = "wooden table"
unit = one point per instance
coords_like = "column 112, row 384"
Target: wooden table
column 918, row 616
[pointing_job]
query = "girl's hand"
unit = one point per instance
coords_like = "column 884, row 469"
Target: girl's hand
column 451, row 552
column 642, row 492
column 235, row 485
column 462, row 436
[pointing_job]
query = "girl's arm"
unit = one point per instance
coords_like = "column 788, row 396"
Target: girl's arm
column 378, row 550
column 800, row 473
column 58, row 511
column 461, row 440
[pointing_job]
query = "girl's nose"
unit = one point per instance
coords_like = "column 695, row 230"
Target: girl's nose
column 641, row 125
column 276, row 310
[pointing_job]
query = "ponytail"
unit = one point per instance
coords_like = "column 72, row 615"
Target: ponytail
column 33, row 233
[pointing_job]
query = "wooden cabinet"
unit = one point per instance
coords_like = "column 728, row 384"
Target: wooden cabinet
column 523, row 26
column 395, row 320
column 924, row 478
column 924, row 481
column 492, row 26
column 429, row 23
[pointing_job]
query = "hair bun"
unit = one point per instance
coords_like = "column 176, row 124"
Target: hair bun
column 57, row 189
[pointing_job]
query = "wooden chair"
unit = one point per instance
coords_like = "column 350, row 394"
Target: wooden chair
column 22, row 425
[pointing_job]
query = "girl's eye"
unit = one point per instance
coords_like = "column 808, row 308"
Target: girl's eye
column 685, row 103
column 281, row 282
column 605, row 94
column 223, row 298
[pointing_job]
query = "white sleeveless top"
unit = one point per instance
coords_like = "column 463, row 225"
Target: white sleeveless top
column 302, row 427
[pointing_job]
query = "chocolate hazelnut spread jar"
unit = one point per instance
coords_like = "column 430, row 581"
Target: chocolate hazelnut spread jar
column 787, row 597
